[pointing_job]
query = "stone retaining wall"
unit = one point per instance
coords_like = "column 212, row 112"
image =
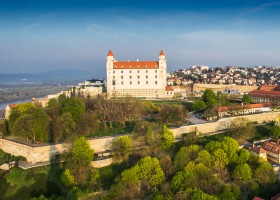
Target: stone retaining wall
column 45, row 153
column 102, row 163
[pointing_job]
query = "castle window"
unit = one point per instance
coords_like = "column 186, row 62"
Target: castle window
column 122, row 82
column 155, row 82
column 113, row 71
column 146, row 71
column 138, row 71
column 130, row 82
column 155, row 71
column 129, row 71
column 138, row 82
column 113, row 77
column 122, row 71
column 114, row 82
column 147, row 82
column 138, row 76
column 130, row 77
column 155, row 76
column 146, row 76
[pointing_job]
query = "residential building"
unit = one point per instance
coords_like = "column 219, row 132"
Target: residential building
column 266, row 93
column 146, row 79
column 272, row 150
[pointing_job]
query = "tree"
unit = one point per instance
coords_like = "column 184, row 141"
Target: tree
column 147, row 171
column 88, row 123
column 241, row 129
column 198, row 105
column 275, row 131
column 35, row 125
column 196, row 194
column 209, row 98
column 20, row 110
column 67, row 179
column 242, row 173
column 246, row 99
column 212, row 146
column 82, row 155
column 167, row 138
column 220, row 158
column 242, row 157
column 121, row 148
column 185, row 155
column 74, row 106
column 63, row 127
column 172, row 113
column 222, row 99
column 204, row 157
column 230, row 146
column 230, row 193
column 265, row 174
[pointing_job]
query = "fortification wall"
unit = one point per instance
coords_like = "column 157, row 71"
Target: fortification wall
column 44, row 153
column 216, row 87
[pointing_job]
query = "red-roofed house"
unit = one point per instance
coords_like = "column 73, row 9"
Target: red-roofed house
column 226, row 111
column 145, row 79
column 266, row 93
column 272, row 151
column 259, row 152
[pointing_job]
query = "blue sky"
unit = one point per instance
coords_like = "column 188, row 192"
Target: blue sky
column 39, row 35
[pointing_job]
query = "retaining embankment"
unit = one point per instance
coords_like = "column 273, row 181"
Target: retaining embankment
column 43, row 153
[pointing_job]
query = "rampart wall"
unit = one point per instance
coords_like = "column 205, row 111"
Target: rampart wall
column 34, row 154
column 217, row 87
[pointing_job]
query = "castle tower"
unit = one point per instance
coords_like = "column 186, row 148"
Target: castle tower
column 110, row 60
column 162, row 60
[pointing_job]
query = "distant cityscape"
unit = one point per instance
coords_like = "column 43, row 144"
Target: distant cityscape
column 259, row 75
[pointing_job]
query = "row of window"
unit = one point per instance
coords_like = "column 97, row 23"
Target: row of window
column 130, row 82
column 130, row 77
column 138, row 71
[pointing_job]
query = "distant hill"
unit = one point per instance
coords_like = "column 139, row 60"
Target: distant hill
column 47, row 76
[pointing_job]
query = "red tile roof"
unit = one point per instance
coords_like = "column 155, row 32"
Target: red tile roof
column 264, row 93
column 272, row 147
column 240, row 107
column 258, row 150
column 161, row 53
column 136, row 65
column 258, row 198
column 110, row 53
column 168, row 88
column 12, row 105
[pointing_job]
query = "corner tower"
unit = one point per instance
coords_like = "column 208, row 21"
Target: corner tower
column 161, row 60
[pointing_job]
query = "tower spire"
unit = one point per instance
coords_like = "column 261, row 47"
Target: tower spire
column 110, row 53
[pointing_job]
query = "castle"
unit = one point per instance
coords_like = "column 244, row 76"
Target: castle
column 144, row 79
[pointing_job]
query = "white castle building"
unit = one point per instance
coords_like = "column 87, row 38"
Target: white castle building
column 145, row 79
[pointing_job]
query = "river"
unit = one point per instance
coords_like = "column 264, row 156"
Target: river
column 3, row 105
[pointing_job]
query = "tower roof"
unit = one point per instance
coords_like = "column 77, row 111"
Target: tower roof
column 110, row 53
column 161, row 53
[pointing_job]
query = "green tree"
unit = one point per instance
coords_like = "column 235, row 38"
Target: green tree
column 275, row 132
column 230, row 146
column 88, row 123
column 185, row 155
column 172, row 113
column 230, row 193
column 82, row 155
column 222, row 99
column 198, row 105
column 246, row 99
column 168, row 138
column 147, row 170
column 121, row 148
column 242, row 157
column 242, row 173
column 212, row 146
column 18, row 111
column 67, row 179
column 220, row 158
column 265, row 174
column 209, row 98
column 74, row 106
column 241, row 129
column 35, row 125
column 204, row 157
column 63, row 127
column 197, row 194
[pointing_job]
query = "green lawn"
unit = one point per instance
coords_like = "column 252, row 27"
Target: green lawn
column 25, row 184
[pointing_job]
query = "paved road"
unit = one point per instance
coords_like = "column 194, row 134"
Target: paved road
column 195, row 120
